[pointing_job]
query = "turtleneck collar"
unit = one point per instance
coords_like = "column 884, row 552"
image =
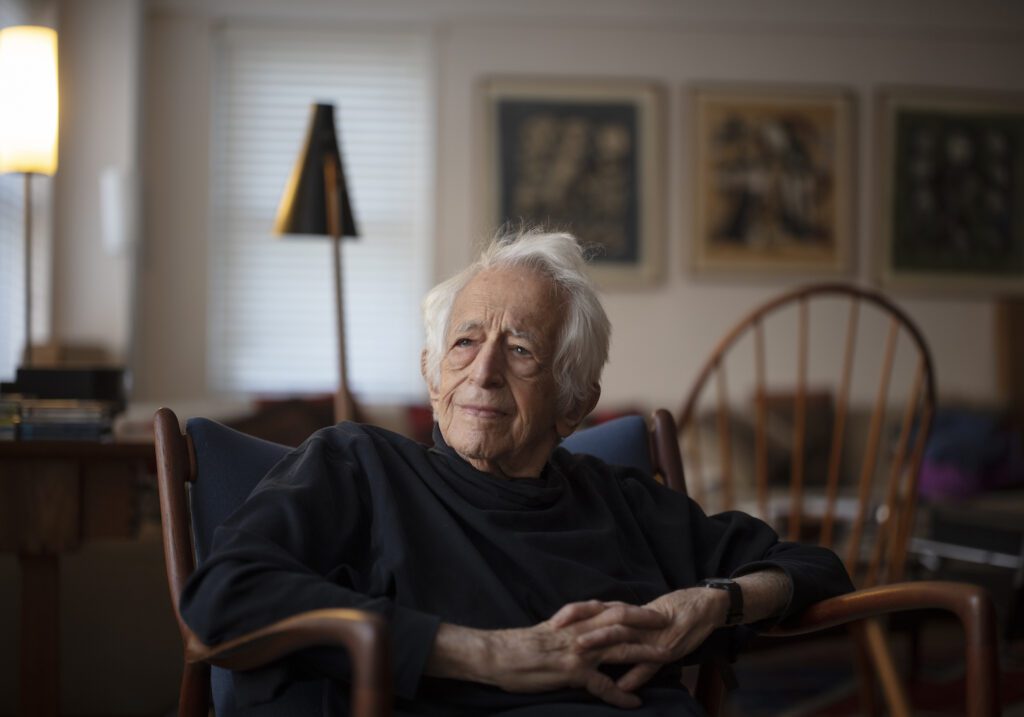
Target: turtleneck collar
column 478, row 486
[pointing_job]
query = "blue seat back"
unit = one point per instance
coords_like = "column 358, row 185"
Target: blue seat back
column 236, row 462
column 229, row 464
column 622, row 441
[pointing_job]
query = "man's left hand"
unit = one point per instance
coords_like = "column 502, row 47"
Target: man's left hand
column 694, row 613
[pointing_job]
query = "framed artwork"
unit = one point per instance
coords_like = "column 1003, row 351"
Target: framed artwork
column 585, row 157
column 951, row 190
column 774, row 180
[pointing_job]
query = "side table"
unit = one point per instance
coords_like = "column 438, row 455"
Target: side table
column 55, row 496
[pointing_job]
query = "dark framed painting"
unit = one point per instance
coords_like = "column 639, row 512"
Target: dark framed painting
column 773, row 180
column 951, row 190
column 582, row 156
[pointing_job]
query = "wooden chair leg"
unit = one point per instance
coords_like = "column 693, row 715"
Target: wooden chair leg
column 865, row 672
column 885, row 667
column 710, row 690
column 194, row 696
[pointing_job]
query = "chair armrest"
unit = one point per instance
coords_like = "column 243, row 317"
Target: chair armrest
column 970, row 603
column 363, row 634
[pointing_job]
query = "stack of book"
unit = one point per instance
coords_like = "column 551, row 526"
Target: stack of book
column 45, row 419
column 61, row 403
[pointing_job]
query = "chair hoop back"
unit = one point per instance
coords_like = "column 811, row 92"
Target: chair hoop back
column 873, row 515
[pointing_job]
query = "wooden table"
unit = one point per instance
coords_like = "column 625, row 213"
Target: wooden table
column 55, row 496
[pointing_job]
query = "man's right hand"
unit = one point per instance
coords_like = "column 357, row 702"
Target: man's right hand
column 547, row 656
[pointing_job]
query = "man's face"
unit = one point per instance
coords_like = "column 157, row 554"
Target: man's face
column 497, row 400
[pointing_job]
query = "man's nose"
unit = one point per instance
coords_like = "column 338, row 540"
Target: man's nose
column 488, row 366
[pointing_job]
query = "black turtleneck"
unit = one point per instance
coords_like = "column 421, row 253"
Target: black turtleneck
column 361, row 517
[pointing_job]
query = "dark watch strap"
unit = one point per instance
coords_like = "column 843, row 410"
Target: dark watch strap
column 735, row 614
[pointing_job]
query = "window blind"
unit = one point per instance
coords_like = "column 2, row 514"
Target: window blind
column 272, row 326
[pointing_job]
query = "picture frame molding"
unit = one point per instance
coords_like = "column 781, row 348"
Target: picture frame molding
column 649, row 96
column 845, row 225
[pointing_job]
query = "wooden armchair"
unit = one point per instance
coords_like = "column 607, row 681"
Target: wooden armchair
column 206, row 471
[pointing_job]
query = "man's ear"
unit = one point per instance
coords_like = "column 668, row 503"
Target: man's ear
column 569, row 422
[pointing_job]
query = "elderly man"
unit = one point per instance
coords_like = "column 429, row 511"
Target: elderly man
column 519, row 579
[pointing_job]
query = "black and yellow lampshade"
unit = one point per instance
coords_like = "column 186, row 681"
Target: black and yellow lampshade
column 304, row 208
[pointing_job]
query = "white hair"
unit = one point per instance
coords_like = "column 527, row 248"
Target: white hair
column 582, row 349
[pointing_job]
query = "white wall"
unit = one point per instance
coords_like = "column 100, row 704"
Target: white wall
column 99, row 71
column 660, row 334
column 171, row 358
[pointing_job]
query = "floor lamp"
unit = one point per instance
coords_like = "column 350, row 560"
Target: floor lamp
column 28, row 129
column 316, row 202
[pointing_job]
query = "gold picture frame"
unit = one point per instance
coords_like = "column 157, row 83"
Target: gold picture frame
column 584, row 156
column 774, row 180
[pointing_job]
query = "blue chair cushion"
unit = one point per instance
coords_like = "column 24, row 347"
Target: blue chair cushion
column 229, row 465
column 622, row 441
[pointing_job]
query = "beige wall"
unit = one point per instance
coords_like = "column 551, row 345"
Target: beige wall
column 660, row 334
column 93, row 272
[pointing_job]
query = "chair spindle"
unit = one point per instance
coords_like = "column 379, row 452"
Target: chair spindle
column 725, row 445
column 871, row 452
column 760, row 425
column 799, row 428
column 839, row 425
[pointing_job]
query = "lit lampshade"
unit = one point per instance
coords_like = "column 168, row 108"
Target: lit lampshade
column 28, row 100
column 304, row 208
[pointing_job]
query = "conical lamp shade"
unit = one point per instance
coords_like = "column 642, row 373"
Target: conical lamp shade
column 303, row 208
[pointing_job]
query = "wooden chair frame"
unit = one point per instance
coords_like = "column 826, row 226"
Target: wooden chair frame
column 971, row 604
column 365, row 635
column 888, row 553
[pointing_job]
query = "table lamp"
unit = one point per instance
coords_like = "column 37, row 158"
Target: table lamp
column 28, row 124
column 316, row 202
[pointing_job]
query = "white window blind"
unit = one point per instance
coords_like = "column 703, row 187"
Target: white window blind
column 272, row 327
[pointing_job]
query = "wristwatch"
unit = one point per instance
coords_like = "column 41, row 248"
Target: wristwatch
column 735, row 614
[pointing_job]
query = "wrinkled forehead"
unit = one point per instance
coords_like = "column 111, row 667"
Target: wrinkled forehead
column 521, row 300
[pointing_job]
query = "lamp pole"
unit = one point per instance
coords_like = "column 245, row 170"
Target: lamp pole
column 27, row 358
column 342, row 400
